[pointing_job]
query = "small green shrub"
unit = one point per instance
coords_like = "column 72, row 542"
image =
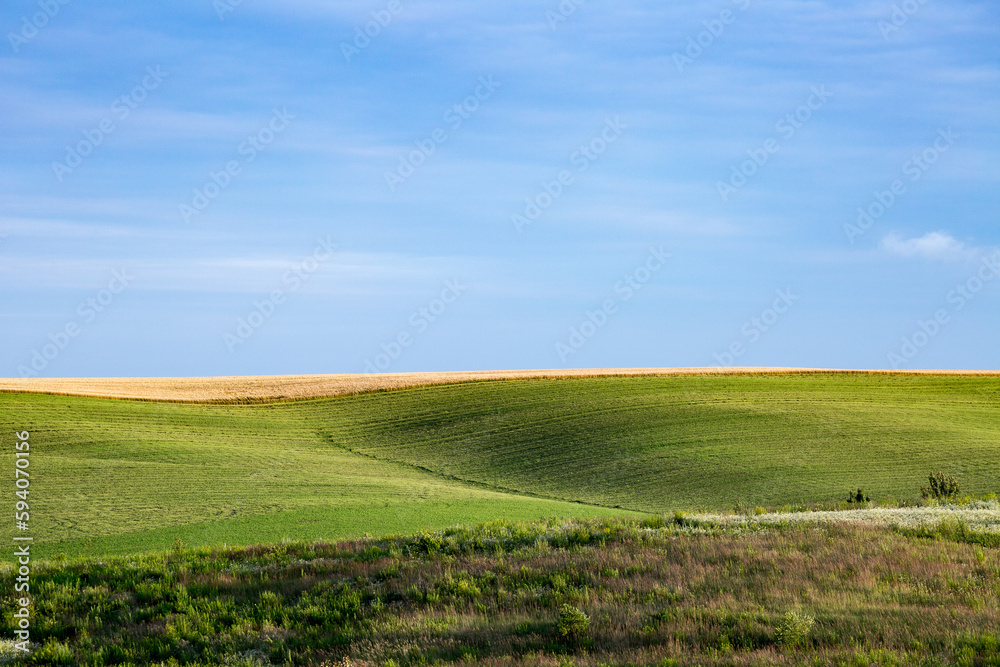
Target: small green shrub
column 53, row 652
column 793, row 628
column 857, row 497
column 573, row 623
column 940, row 486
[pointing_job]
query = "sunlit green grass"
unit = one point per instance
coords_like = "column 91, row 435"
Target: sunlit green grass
column 114, row 476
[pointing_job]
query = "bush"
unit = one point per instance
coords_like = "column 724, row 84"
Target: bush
column 940, row 486
column 573, row 623
column 857, row 497
column 793, row 628
column 54, row 652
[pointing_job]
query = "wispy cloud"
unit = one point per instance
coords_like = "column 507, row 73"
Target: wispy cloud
column 371, row 274
column 933, row 245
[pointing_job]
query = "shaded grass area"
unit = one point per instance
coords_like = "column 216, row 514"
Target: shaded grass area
column 112, row 476
column 653, row 592
column 656, row 444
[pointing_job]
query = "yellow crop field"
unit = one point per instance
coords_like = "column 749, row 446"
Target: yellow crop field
column 261, row 388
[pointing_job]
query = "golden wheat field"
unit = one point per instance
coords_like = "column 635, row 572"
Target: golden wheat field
column 289, row 387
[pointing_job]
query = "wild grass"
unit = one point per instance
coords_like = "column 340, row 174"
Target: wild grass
column 979, row 517
column 583, row 593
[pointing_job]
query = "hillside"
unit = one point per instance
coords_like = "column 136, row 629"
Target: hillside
column 112, row 476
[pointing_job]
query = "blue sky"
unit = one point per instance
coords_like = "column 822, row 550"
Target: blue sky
column 228, row 188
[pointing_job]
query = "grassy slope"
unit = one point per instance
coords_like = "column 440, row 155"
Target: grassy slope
column 115, row 476
column 663, row 595
column 655, row 444
column 118, row 476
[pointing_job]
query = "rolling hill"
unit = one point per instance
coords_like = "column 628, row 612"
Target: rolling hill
column 119, row 476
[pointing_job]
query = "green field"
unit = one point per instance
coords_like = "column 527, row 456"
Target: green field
column 113, row 476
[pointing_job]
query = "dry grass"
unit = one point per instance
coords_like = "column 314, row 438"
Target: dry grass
column 254, row 389
column 981, row 516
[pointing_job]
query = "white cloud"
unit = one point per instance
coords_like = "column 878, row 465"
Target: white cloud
column 934, row 245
